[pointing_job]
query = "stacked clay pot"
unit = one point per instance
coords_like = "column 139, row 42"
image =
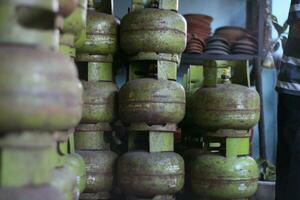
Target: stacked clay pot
column 40, row 94
column 199, row 29
column 94, row 60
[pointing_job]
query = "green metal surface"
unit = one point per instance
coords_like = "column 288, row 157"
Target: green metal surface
column 76, row 22
column 100, row 168
column 229, row 147
column 66, row 45
column 161, row 141
column 62, row 151
column 43, row 95
column 76, row 165
column 153, row 30
column 89, row 137
column 99, row 66
column 101, row 34
column 231, row 143
column 99, row 102
column 162, row 70
column 149, row 174
column 218, row 177
column 91, row 140
column 152, row 101
column 100, row 71
column 29, row 22
column 27, row 159
column 151, row 141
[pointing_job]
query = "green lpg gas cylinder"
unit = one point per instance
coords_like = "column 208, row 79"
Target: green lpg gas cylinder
column 218, row 177
column 29, row 22
column 225, row 105
column 153, row 30
column 145, row 174
column 99, row 101
column 40, row 90
column 100, row 169
column 101, row 34
column 151, row 101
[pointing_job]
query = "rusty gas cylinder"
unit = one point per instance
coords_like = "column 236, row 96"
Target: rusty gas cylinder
column 45, row 192
column 225, row 105
column 29, row 22
column 218, row 177
column 99, row 101
column 153, row 30
column 100, row 169
column 151, row 101
column 101, row 34
column 43, row 95
column 66, row 7
column 146, row 175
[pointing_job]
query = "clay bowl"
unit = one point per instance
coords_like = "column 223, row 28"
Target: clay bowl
column 241, row 49
column 244, row 43
column 244, row 51
column 198, row 17
column 217, row 39
column 216, row 52
column 231, row 33
column 249, row 38
column 209, row 48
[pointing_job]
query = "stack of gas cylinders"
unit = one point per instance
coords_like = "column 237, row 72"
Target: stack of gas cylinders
column 40, row 104
column 151, row 103
column 94, row 60
column 59, row 104
column 220, row 168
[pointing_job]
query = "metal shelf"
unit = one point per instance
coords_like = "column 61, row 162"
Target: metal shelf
column 197, row 59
